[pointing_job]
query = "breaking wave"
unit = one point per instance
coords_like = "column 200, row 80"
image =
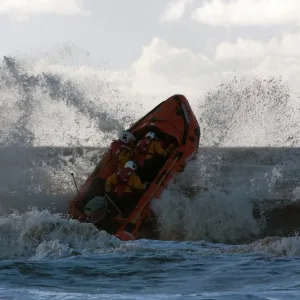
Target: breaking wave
column 40, row 234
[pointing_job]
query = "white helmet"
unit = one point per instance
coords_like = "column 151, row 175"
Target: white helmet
column 151, row 135
column 131, row 165
column 126, row 137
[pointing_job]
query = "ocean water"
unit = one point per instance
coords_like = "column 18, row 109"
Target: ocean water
column 209, row 247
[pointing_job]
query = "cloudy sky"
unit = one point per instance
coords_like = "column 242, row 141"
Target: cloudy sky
column 162, row 46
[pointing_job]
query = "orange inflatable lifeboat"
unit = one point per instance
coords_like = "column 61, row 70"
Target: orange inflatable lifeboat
column 174, row 122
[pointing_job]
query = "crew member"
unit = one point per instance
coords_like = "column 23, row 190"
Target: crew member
column 123, row 148
column 125, row 187
column 150, row 156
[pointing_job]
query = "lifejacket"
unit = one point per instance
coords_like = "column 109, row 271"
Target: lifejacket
column 117, row 146
column 122, row 179
column 142, row 151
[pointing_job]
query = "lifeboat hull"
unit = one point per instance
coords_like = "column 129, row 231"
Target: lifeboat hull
column 175, row 123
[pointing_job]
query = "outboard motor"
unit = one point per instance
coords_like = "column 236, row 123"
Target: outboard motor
column 96, row 209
